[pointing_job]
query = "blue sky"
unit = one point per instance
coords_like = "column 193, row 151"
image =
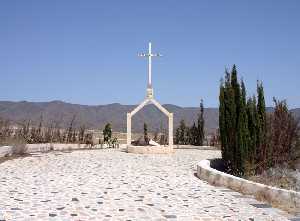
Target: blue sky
column 86, row 51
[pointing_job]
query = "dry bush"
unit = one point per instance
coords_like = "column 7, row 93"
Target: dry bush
column 5, row 130
column 282, row 136
column 18, row 146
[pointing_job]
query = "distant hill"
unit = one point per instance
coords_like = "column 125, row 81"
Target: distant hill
column 96, row 116
column 296, row 112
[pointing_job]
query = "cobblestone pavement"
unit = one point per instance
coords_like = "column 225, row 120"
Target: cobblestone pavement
column 114, row 185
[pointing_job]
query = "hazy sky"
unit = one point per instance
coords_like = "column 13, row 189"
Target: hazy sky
column 86, row 51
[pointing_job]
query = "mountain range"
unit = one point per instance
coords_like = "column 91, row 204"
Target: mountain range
column 96, row 116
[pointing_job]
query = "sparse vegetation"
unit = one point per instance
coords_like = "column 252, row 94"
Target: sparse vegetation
column 7, row 137
column 193, row 135
column 18, row 147
column 26, row 132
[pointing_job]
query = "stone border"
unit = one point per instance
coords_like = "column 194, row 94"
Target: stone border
column 6, row 151
column 45, row 147
column 288, row 200
column 150, row 149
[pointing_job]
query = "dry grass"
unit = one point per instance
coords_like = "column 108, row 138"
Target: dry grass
column 281, row 177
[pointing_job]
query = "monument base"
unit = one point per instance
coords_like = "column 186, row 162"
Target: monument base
column 150, row 149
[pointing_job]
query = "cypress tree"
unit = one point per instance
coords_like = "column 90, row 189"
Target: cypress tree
column 252, row 128
column 146, row 138
column 242, row 132
column 182, row 132
column 230, row 122
column 200, row 125
column 194, row 133
column 234, row 123
column 243, row 126
column 177, row 136
column 188, row 136
column 236, row 116
column 261, row 128
column 222, row 122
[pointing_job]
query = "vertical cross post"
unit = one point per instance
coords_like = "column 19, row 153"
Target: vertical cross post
column 128, row 129
column 170, row 129
column 149, row 55
column 149, row 66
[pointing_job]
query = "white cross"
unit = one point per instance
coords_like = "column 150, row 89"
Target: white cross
column 149, row 55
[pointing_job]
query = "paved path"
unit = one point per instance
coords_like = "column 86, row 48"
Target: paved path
column 113, row 185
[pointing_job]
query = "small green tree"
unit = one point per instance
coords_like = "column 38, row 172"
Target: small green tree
column 107, row 133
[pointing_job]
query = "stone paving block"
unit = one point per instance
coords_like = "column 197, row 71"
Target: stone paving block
column 114, row 185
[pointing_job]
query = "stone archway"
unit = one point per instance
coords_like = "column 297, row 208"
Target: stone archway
column 150, row 100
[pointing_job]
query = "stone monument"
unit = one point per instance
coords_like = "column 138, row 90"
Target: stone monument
column 150, row 100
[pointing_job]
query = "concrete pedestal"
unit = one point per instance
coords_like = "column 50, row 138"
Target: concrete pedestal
column 150, row 149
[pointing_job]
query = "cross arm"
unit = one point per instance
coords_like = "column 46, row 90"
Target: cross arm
column 145, row 102
column 160, row 107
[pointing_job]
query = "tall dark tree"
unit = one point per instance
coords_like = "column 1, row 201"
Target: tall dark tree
column 69, row 134
column 146, row 138
column 177, row 136
column 182, row 132
column 230, row 122
column 81, row 134
column 193, row 134
column 200, row 125
column 188, row 136
column 242, row 131
column 261, row 128
column 233, row 122
column 252, row 128
column 237, row 103
column 39, row 131
column 222, row 121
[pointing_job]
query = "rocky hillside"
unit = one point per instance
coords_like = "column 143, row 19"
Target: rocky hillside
column 97, row 116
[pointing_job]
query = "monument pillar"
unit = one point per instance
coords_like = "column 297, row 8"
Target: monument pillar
column 128, row 129
column 171, row 129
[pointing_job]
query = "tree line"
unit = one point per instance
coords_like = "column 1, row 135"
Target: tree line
column 193, row 135
column 253, row 140
column 51, row 132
